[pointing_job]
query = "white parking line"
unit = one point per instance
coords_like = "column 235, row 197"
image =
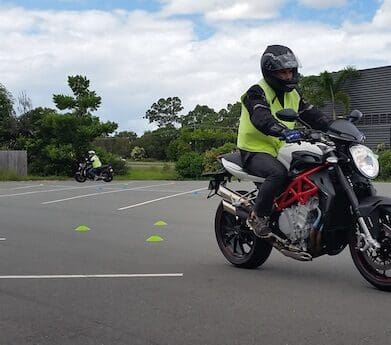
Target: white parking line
column 107, row 192
column 66, row 276
column 158, row 199
column 24, row 187
column 32, row 186
column 98, row 184
column 49, row 190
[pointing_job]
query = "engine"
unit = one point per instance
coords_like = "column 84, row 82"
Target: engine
column 297, row 221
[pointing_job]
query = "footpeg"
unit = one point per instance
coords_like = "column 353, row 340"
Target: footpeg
column 302, row 256
column 289, row 250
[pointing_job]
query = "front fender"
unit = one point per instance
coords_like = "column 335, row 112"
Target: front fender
column 370, row 203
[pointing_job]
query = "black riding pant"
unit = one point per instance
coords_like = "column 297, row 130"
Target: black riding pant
column 275, row 174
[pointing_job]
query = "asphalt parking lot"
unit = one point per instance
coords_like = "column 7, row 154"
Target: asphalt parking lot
column 136, row 262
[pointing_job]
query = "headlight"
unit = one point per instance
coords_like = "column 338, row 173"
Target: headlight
column 365, row 160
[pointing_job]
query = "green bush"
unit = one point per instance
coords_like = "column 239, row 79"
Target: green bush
column 189, row 165
column 138, row 153
column 210, row 162
column 385, row 165
column 115, row 145
column 119, row 166
column 177, row 148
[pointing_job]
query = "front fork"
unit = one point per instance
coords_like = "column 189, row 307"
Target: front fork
column 365, row 240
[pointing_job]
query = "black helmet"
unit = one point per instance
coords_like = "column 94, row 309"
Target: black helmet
column 275, row 58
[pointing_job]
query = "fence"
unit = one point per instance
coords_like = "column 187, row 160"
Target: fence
column 15, row 161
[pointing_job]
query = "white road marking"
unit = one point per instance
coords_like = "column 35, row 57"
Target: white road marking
column 24, row 187
column 158, row 199
column 2, row 238
column 107, row 192
column 66, row 276
column 162, row 190
column 98, row 184
column 32, row 186
column 48, row 190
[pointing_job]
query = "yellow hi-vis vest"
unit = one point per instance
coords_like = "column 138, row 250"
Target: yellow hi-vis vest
column 253, row 140
column 96, row 163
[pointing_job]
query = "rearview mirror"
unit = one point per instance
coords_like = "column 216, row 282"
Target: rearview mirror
column 355, row 116
column 288, row 115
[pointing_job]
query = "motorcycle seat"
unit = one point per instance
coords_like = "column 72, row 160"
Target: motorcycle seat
column 232, row 162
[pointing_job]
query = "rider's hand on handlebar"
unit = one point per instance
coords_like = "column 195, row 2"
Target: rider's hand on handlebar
column 292, row 135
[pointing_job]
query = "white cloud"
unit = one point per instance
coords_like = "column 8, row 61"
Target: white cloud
column 383, row 15
column 134, row 58
column 220, row 10
column 323, row 3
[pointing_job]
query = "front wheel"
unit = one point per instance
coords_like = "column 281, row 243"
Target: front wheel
column 375, row 265
column 107, row 176
column 237, row 242
column 79, row 177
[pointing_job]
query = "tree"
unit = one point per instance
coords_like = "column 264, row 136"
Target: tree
column 165, row 112
column 156, row 142
column 116, row 145
column 229, row 118
column 327, row 87
column 8, row 121
column 54, row 141
column 24, row 103
column 83, row 100
column 200, row 116
column 130, row 135
column 60, row 139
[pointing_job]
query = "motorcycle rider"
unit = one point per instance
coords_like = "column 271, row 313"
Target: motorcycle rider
column 260, row 130
column 94, row 160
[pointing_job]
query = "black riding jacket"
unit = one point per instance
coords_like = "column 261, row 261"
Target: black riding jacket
column 262, row 118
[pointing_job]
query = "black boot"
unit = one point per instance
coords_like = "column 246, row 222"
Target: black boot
column 260, row 225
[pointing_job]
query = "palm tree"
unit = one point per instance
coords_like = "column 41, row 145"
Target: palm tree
column 327, row 87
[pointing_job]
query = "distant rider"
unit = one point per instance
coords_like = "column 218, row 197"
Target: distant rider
column 96, row 164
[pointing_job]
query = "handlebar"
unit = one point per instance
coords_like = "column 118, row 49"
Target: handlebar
column 312, row 136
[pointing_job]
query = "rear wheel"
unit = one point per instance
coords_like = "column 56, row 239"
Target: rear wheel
column 375, row 265
column 237, row 242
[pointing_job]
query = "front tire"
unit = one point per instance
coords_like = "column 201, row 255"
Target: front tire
column 107, row 177
column 375, row 267
column 237, row 242
column 79, row 177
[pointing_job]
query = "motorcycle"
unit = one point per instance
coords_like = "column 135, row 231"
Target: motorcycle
column 329, row 203
column 83, row 172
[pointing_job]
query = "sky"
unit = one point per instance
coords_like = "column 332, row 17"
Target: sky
column 205, row 52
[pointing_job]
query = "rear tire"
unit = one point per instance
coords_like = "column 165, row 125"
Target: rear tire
column 237, row 242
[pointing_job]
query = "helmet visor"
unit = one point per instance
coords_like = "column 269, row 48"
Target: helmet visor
column 283, row 61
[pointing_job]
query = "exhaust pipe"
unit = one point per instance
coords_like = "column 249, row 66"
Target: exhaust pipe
column 229, row 207
column 234, row 203
column 232, row 197
column 236, row 211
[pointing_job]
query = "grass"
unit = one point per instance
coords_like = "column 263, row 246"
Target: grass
column 13, row 176
column 131, row 164
column 164, row 172
column 157, row 172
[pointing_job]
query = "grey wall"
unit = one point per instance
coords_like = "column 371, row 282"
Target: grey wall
column 371, row 94
column 14, row 161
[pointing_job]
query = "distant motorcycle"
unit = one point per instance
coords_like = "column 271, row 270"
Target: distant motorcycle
column 83, row 172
